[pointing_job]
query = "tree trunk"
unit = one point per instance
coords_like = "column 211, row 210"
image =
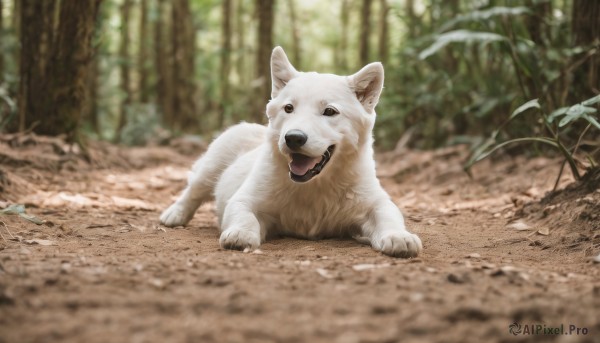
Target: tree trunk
column 586, row 32
column 411, row 19
column 162, row 55
column 536, row 21
column 1, row 38
column 55, row 65
column 92, row 101
column 240, row 33
column 365, row 32
column 36, row 26
column 384, row 9
column 264, row 12
column 342, row 51
column 142, row 63
column 184, row 40
column 16, row 26
column 296, row 41
column 124, row 67
column 225, row 60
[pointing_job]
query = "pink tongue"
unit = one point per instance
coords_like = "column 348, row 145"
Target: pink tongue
column 301, row 164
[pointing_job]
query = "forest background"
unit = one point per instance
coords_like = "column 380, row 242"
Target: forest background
column 142, row 71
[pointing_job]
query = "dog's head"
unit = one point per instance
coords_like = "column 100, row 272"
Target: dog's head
column 317, row 119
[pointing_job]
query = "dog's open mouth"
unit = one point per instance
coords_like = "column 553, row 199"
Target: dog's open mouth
column 304, row 168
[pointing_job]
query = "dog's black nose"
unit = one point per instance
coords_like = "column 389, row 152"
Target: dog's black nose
column 294, row 139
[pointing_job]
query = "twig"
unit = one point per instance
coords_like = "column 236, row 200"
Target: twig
column 562, row 168
column 7, row 230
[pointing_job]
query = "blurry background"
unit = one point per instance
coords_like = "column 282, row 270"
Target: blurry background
column 136, row 71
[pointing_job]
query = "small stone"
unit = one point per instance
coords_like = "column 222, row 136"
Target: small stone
column 458, row 279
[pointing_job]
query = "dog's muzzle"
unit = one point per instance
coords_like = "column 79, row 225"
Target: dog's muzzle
column 304, row 168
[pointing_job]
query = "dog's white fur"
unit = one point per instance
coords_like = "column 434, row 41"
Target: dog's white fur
column 247, row 168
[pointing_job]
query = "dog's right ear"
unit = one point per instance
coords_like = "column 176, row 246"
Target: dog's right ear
column 282, row 71
column 367, row 84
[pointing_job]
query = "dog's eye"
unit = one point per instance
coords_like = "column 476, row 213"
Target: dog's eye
column 330, row 112
column 288, row 108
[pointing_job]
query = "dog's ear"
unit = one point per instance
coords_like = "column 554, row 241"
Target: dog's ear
column 367, row 85
column 282, row 71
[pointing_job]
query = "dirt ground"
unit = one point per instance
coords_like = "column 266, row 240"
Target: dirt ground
column 101, row 268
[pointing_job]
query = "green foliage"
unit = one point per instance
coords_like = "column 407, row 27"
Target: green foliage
column 555, row 132
column 478, row 16
column 453, row 72
column 460, row 36
column 462, row 66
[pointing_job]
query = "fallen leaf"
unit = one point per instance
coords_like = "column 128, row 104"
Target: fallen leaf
column 596, row 259
column 158, row 283
column 324, row 273
column 367, row 266
column 130, row 204
column 31, row 218
column 19, row 209
column 38, row 241
column 544, row 231
column 458, row 279
column 474, row 255
column 14, row 209
column 519, row 226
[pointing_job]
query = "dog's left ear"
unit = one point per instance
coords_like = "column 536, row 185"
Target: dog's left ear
column 282, row 71
column 367, row 85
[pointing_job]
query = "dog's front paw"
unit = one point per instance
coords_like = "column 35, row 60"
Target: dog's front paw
column 176, row 215
column 239, row 239
column 399, row 244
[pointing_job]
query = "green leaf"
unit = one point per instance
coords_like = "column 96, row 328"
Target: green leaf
column 485, row 15
column 19, row 210
column 481, row 156
column 460, row 36
column 591, row 120
column 591, row 101
column 529, row 104
column 31, row 218
column 557, row 113
column 579, row 109
column 575, row 112
column 14, row 209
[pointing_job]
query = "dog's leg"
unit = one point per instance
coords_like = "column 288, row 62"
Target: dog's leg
column 198, row 190
column 386, row 231
column 206, row 171
column 241, row 228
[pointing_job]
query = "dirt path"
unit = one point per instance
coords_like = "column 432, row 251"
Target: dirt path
column 112, row 274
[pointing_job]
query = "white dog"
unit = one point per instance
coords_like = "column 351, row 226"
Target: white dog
column 310, row 173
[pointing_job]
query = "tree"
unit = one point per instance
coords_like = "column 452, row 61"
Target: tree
column 183, row 36
column 142, row 62
column 342, row 49
column 384, row 9
column 1, row 52
column 225, row 59
column 162, row 56
column 586, row 32
column 92, row 107
column 264, row 12
column 55, row 60
column 124, row 66
column 240, row 45
column 296, row 41
column 365, row 32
